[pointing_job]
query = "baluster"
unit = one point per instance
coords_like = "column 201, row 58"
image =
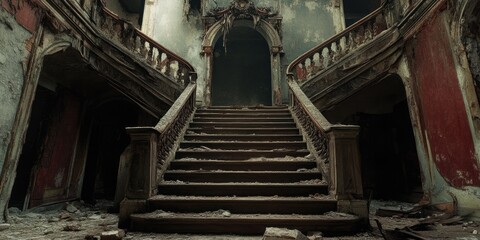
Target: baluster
column 308, row 67
column 332, row 54
column 299, row 72
column 379, row 24
column 150, row 54
column 138, row 45
column 166, row 62
column 350, row 43
column 326, row 55
column 339, row 53
column 143, row 48
column 368, row 31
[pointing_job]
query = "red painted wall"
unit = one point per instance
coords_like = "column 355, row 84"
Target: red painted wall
column 442, row 106
column 53, row 173
column 25, row 12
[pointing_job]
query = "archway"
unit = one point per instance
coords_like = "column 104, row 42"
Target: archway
column 241, row 69
column 269, row 34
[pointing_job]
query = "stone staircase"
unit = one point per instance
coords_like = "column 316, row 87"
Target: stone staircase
column 238, row 171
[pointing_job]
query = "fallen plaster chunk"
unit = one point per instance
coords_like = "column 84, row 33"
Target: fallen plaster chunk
column 4, row 226
column 113, row 235
column 272, row 233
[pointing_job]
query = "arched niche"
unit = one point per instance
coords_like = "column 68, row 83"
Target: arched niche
column 268, row 31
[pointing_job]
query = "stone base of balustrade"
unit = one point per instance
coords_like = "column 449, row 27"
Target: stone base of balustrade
column 129, row 207
column 356, row 207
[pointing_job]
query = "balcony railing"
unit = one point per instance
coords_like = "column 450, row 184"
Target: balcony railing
column 141, row 45
column 319, row 58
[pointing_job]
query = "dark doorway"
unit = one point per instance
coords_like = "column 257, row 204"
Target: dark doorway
column 40, row 119
column 108, row 139
column 241, row 72
column 390, row 165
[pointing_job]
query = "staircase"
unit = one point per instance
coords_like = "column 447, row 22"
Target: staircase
column 238, row 171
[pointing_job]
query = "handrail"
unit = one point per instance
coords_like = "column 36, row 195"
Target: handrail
column 335, row 146
column 172, row 123
column 310, row 118
column 152, row 148
column 144, row 47
column 337, row 46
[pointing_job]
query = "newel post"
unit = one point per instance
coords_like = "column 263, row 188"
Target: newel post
column 345, row 169
column 142, row 172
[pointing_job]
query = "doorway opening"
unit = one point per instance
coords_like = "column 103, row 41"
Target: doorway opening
column 75, row 111
column 390, row 165
column 242, row 69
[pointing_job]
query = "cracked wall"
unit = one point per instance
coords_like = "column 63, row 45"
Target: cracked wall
column 13, row 41
column 305, row 24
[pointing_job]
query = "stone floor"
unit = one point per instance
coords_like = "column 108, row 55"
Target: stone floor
column 80, row 221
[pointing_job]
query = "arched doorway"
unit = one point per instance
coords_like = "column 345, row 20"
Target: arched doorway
column 241, row 69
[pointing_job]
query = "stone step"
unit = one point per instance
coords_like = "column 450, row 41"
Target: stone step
column 214, row 125
column 242, row 176
column 238, row 137
column 242, row 224
column 243, row 115
column 238, row 154
column 243, row 131
column 256, row 165
column 244, row 205
column 237, row 145
column 242, row 189
column 248, row 107
column 244, row 110
column 242, row 119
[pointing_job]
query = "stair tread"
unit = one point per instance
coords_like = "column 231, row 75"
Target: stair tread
column 240, row 150
column 309, row 171
column 318, row 198
column 243, row 142
column 251, row 217
column 242, row 184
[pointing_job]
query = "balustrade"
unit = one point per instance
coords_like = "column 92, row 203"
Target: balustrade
column 334, row 49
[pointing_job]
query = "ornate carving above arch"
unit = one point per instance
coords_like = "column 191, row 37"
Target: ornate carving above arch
column 242, row 12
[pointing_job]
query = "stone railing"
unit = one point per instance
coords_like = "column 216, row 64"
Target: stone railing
column 335, row 146
column 142, row 46
column 319, row 58
column 152, row 148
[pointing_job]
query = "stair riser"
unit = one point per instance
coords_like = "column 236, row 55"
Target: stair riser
column 244, row 115
column 243, row 177
column 239, row 190
column 236, row 155
column 245, row 145
column 243, row 138
column 242, row 166
column 245, row 207
column 272, row 125
column 242, row 226
column 244, row 111
column 245, row 131
column 241, row 119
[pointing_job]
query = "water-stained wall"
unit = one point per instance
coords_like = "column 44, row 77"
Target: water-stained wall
column 305, row 24
column 13, row 60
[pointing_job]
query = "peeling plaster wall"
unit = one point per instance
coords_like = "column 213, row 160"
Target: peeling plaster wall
column 445, row 145
column 13, row 41
column 166, row 23
column 305, row 24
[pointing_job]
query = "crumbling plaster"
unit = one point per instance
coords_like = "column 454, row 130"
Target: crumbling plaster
column 436, row 188
column 13, row 59
column 305, row 24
